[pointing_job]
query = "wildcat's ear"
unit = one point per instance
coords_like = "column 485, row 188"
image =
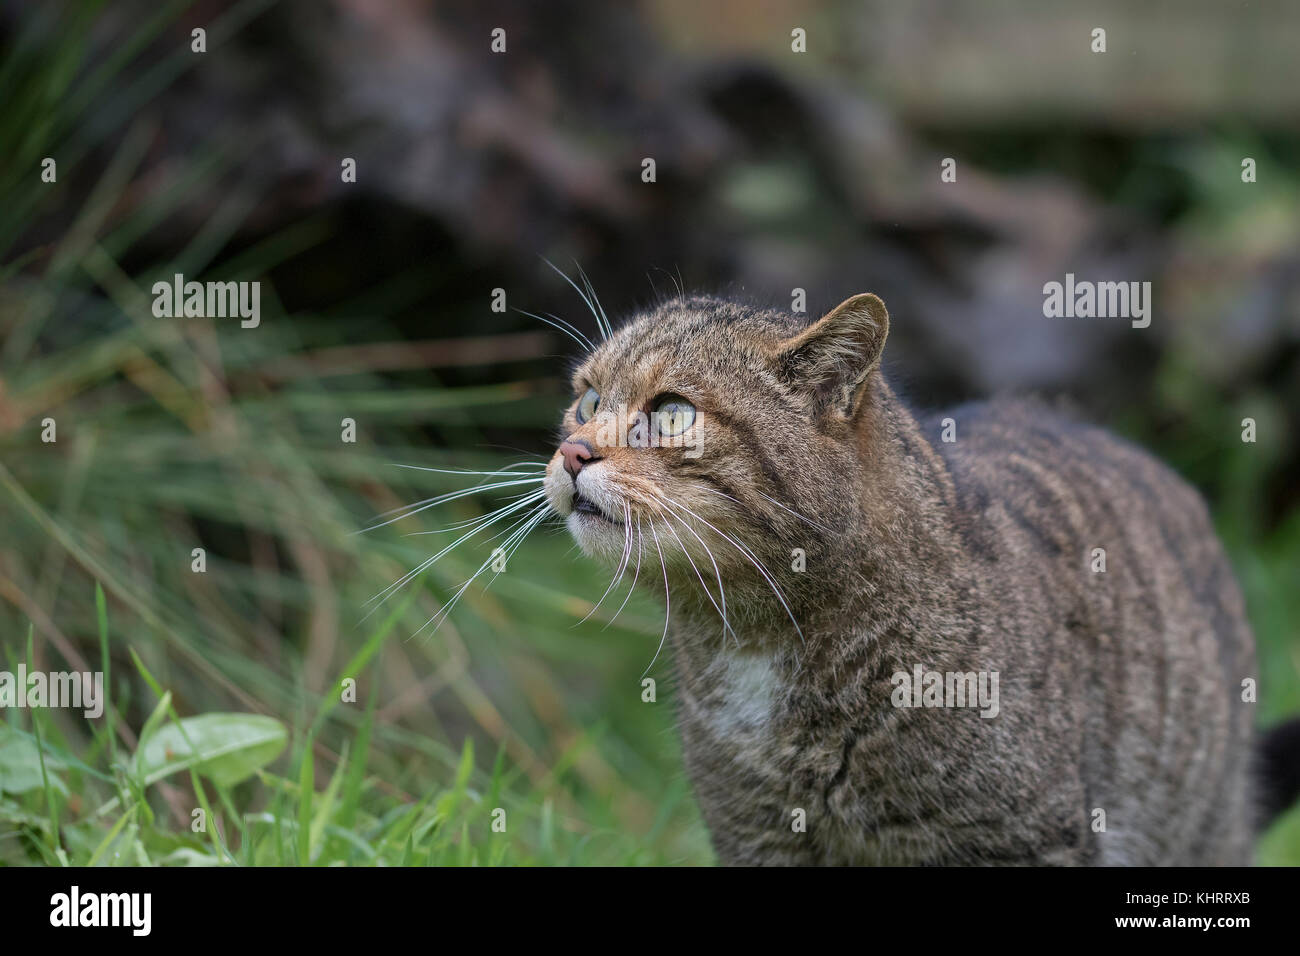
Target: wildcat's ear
column 830, row 361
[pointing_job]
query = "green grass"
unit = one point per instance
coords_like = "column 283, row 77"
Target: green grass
column 378, row 793
column 476, row 816
column 148, row 466
column 584, row 771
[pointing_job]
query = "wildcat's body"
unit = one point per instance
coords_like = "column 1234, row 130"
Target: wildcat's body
column 1120, row 734
column 1118, row 690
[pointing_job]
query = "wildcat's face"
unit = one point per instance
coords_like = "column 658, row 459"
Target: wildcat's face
column 700, row 420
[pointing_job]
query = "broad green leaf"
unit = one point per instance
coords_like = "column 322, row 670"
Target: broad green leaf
column 227, row 748
column 20, row 765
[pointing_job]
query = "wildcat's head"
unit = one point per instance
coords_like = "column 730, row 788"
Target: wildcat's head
column 704, row 422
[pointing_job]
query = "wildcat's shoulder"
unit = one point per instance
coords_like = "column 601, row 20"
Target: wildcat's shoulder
column 1097, row 515
column 1033, row 459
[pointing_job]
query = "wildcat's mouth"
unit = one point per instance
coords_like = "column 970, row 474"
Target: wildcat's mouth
column 588, row 508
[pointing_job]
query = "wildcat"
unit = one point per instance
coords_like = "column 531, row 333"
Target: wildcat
column 821, row 549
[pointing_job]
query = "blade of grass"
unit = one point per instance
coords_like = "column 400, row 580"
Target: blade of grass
column 112, row 835
column 51, row 806
column 357, row 769
column 101, row 619
column 306, row 790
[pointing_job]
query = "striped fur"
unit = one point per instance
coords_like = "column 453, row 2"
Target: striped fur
column 1119, row 691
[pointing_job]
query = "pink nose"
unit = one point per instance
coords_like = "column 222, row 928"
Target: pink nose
column 577, row 453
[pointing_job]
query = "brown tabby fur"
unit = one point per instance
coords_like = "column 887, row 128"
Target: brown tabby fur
column 1120, row 690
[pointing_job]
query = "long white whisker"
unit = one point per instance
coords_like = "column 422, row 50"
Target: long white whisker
column 622, row 563
column 668, row 601
column 571, row 331
column 752, row 558
column 491, row 519
column 603, row 333
column 722, row 611
column 722, row 594
column 427, row 503
column 532, row 521
column 481, row 519
column 569, row 325
column 538, row 472
column 636, row 574
column 533, row 494
column 469, row 522
column 508, row 548
column 591, row 290
column 500, row 472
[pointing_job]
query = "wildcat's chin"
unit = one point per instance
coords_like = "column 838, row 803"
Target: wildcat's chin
column 599, row 537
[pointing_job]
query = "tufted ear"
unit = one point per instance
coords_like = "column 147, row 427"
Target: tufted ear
column 830, row 361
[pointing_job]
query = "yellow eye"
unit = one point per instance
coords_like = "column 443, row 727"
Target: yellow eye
column 674, row 415
column 587, row 405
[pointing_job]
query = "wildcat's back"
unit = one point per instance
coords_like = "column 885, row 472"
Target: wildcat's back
column 1146, row 647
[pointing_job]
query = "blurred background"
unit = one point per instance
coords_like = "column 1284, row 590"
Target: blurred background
column 775, row 170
